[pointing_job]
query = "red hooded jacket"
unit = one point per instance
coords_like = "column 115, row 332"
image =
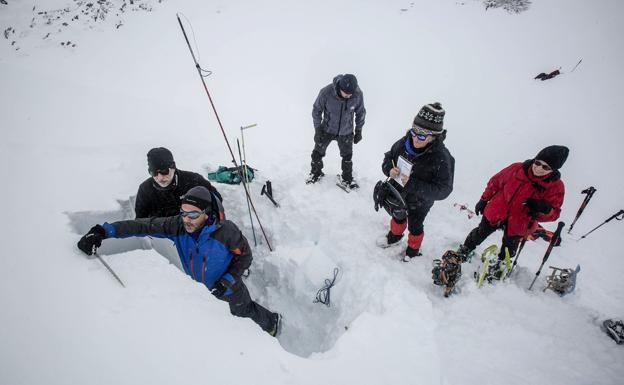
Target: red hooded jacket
column 508, row 189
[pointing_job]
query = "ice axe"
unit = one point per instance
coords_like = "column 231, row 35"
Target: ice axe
column 268, row 191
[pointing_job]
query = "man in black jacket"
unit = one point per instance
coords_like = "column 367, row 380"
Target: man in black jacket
column 159, row 196
column 430, row 178
column 335, row 110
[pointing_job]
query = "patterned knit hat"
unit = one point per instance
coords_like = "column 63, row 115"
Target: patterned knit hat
column 430, row 119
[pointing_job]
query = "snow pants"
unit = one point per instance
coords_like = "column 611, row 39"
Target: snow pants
column 322, row 140
column 416, row 214
column 241, row 305
column 484, row 230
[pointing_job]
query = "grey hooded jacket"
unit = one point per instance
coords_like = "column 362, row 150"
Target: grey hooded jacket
column 336, row 115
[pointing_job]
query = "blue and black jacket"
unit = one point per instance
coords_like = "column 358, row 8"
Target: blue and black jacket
column 211, row 253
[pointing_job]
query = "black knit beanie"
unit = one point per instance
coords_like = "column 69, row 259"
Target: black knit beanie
column 430, row 118
column 159, row 158
column 198, row 196
column 348, row 83
column 555, row 156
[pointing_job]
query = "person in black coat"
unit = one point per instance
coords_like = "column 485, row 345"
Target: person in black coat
column 430, row 178
column 159, row 196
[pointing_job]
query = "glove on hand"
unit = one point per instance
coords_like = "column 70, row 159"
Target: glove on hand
column 537, row 206
column 92, row 238
column 223, row 287
column 480, row 206
column 357, row 137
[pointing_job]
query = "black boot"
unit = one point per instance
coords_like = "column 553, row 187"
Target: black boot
column 411, row 253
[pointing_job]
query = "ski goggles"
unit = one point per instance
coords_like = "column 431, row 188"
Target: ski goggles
column 422, row 132
column 161, row 172
column 420, row 136
column 543, row 165
column 191, row 214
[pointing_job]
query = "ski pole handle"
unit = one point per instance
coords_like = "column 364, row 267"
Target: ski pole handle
column 249, row 126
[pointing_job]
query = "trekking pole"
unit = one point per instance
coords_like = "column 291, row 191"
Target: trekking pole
column 619, row 216
column 106, row 266
column 247, row 189
column 203, row 73
column 513, row 265
column 553, row 240
column 589, row 192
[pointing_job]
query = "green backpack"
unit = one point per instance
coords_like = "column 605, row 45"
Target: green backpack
column 230, row 175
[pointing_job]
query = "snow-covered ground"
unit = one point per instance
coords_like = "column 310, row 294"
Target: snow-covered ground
column 77, row 120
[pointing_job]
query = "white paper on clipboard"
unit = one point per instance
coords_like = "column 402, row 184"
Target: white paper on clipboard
column 405, row 169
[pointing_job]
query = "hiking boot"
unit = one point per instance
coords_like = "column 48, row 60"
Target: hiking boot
column 389, row 240
column 349, row 184
column 464, row 253
column 314, row 177
column 495, row 271
column 277, row 325
column 411, row 253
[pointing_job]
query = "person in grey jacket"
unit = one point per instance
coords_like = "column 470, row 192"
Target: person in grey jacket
column 337, row 108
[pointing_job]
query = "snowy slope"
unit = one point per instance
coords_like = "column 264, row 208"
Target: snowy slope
column 77, row 121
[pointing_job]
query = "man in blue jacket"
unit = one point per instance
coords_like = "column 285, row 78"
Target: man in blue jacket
column 212, row 250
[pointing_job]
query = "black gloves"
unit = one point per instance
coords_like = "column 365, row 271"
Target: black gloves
column 319, row 134
column 357, row 137
column 223, row 287
column 92, row 238
column 537, row 206
column 480, row 206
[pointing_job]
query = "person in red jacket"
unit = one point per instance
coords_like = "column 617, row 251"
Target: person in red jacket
column 517, row 198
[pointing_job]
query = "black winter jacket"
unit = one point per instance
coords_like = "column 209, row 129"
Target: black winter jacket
column 155, row 201
column 432, row 173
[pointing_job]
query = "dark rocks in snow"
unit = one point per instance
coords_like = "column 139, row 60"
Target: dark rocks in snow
column 511, row 6
column 56, row 21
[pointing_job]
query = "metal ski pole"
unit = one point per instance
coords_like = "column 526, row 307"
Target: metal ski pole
column 522, row 243
column 619, row 216
column 589, row 192
column 577, row 64
column 201, row 72
column 244, row 161
column 106, row 266
column 553, row 240
column 244, row 180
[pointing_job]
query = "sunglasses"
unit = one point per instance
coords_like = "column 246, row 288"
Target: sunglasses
column 543, row 165
column 191, row 214
column 420, row 136
column 161, row 172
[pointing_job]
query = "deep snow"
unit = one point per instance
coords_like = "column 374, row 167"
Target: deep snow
column 77, row 122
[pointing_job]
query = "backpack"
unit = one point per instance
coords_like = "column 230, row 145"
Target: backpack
column 387, row 196
column 230, row 175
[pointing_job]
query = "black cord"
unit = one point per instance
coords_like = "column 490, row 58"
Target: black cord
column 204, row 73
column 322, row 295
